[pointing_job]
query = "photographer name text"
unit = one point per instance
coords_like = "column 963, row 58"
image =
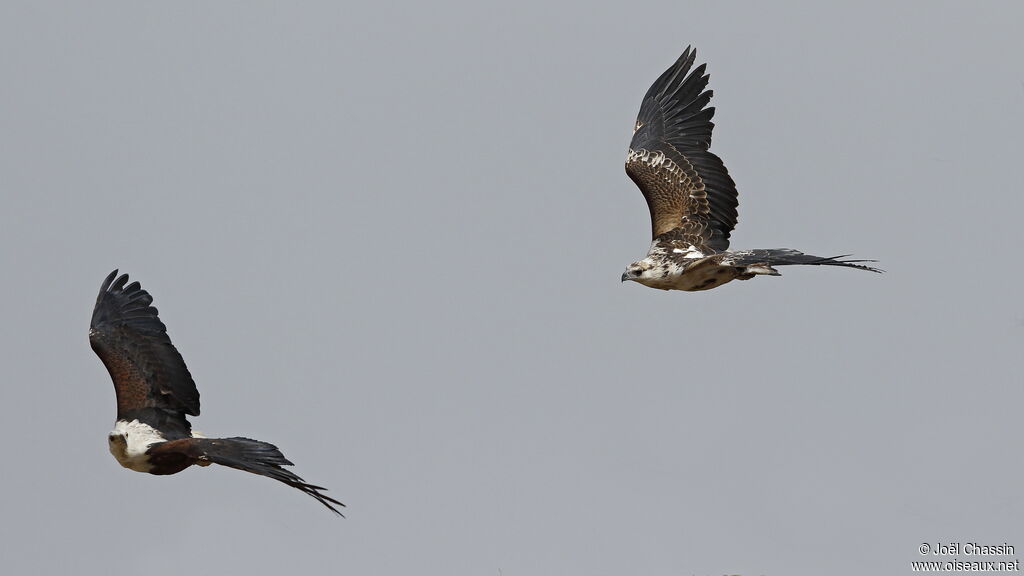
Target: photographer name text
column 966, row 549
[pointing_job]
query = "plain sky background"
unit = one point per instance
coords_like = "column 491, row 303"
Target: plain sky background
column 387, row 237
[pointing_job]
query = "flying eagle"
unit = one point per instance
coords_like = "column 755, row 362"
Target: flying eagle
column 155, row 392
column 690, row 195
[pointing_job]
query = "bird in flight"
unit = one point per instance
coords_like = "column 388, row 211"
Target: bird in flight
column 155, row 392
column 690, row 194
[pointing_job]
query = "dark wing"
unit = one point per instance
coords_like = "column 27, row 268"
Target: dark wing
column 240, row 453
column 132, row 342
column 689, row 192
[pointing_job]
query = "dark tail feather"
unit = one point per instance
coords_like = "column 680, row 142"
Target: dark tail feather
column 787, row 257
column 260, row 458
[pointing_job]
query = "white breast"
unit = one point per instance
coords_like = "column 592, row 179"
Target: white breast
column 128, row 442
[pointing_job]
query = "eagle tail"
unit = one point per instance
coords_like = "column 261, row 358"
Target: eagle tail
column 761, row 261
column 260, row 458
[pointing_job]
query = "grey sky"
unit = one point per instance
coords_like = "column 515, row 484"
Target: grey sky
column 388, row 238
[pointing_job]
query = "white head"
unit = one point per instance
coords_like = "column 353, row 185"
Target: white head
column 647, row 271
column 130, row 441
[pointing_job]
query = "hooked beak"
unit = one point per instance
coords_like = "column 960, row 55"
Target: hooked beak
column 625, row 276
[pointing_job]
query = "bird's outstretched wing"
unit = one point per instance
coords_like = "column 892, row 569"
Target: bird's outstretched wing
column 240, row 453
column 147, row 370
column 689, row 192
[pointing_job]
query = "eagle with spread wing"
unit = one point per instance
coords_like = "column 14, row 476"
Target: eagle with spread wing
column 691, row 197
column 155, row 392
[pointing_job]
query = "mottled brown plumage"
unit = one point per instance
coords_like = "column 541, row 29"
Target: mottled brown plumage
column 688, row 189
column 690, row 195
